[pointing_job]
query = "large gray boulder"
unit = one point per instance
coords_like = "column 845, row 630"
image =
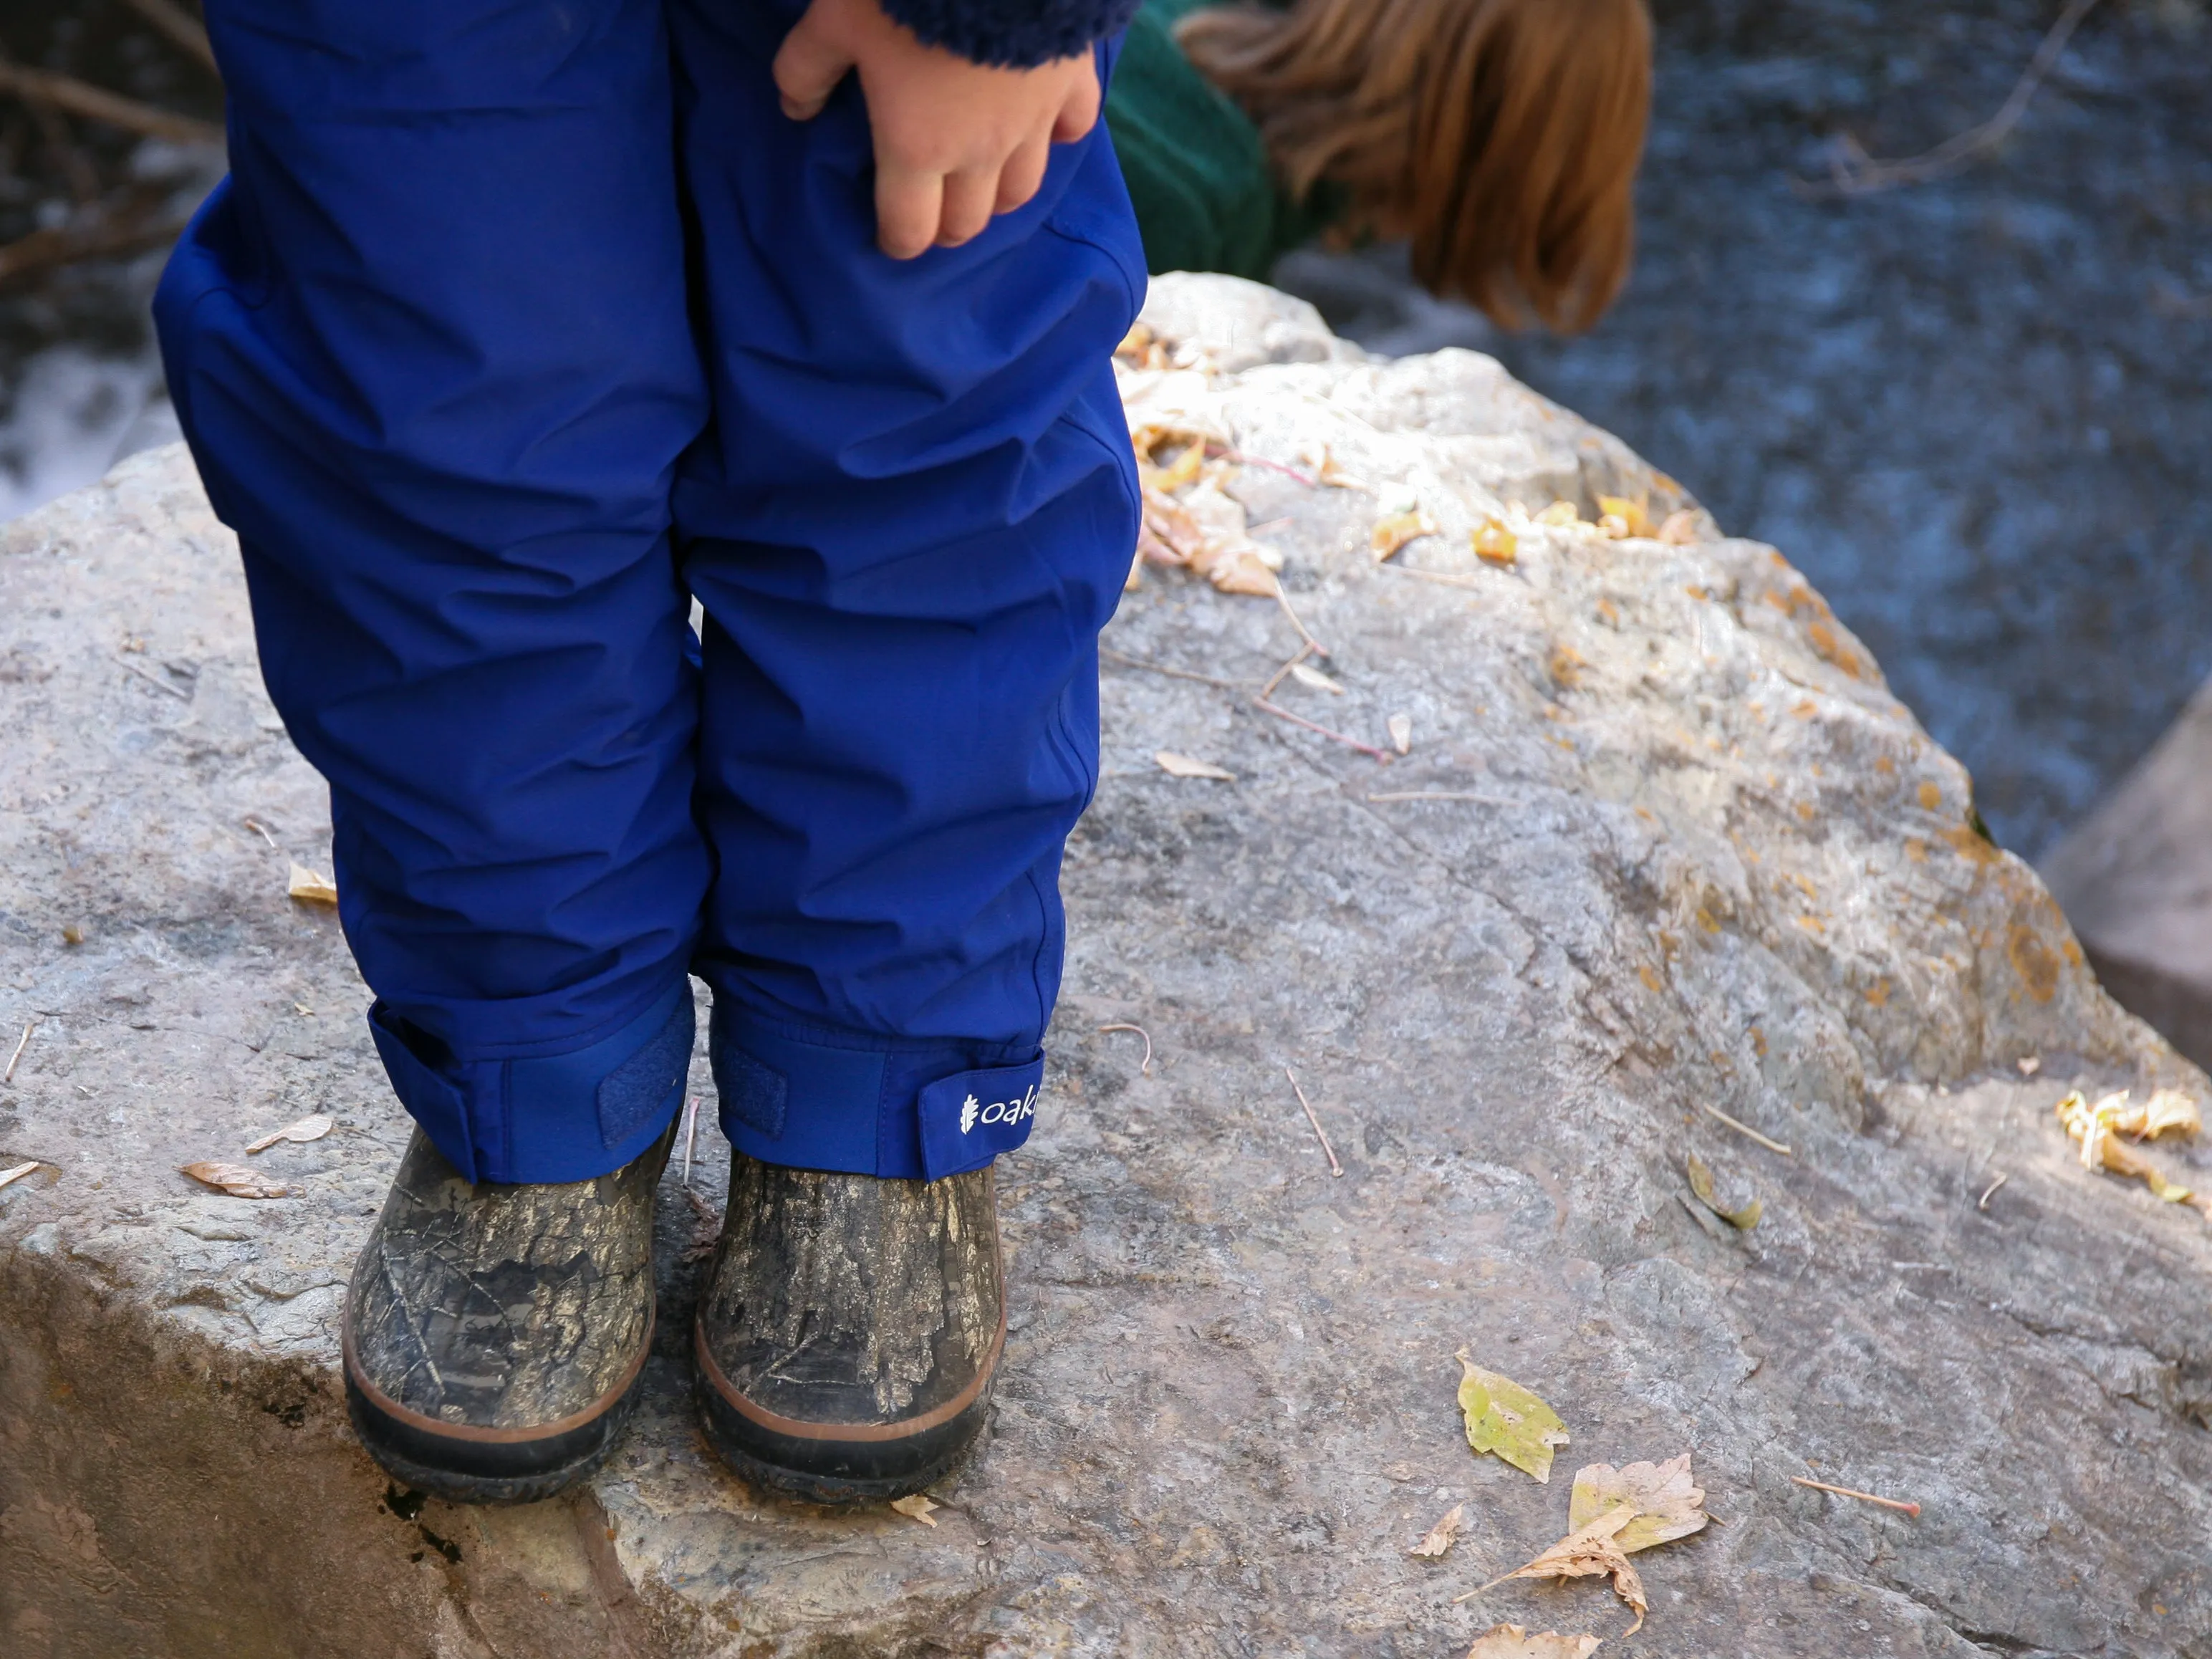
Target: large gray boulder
column 1662, row 842
column 2136, row 881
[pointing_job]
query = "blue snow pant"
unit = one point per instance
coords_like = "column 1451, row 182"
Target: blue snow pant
column 515, row 328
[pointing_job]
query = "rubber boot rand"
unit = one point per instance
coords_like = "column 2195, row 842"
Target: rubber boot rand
column 849, row 1335
column 495, row 1335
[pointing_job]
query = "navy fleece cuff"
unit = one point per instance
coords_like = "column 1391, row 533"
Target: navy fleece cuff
column 1012, row 34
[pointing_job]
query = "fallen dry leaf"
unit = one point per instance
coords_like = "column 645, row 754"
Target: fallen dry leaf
column 1401, row 732
column 1495, row 545
column 1621, row 516
column 1514, row 1642
column 8, row 1176
column 1744, row 1218
column 307, row 1128
column 1591, row 1552
column 1182, row 766
column 2096, row 1130
column 1315, row 678
column 1395, row 531
column 1681, row 528
column 1439, row 1537
column 309, row 888
column 1505, row 1418
column 1668, row 1504
column 236, row 1180
column 916, row 1508
column 1560, row 514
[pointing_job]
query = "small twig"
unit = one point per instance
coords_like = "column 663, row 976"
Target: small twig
column 1901, row 1505
column 1283, row 673
column 7, row 1176
column 21, row 1043
column 1280, row 712
column 83, row 178
column 129, row 667
column 1127, row 661
column 1861, row 175
column 182, row 28
column 101, row 237
column 37, row 87
column 1746, row 1129
column 1241, row 459
column 1984, row 1203
column 1335, row 1167
column 1284, row 600
column 255, row 825
column 1144, row 1067
column 690, row 1138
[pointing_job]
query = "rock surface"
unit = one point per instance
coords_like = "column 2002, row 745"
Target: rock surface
column 1662, row 841
column 2136, row 881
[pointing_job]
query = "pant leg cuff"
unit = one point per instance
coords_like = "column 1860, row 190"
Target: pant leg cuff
column 809, row 1097
column 547, row 1118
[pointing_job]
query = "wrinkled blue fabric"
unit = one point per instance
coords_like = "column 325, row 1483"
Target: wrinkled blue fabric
column 514, row 329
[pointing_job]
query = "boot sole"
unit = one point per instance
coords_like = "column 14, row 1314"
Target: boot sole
column 823, row 1462
column 481, row 1466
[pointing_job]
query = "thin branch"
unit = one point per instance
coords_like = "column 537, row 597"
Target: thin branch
column 183, row 29
column 1859, row 173
column 21, row 1043
column 1745, row 1129
column 37, row 87
column 1127, row 661
column 1903, row 1506
column 1282, row 714
column 1335, row 1167
column 1145, row 1068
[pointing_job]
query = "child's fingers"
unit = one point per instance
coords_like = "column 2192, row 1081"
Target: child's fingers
column 969, row 200
column 1079, row 113
column 808, row 68
column 910, row 206
column 1023, row 173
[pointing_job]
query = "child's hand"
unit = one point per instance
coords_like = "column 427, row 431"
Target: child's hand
column 956, row 142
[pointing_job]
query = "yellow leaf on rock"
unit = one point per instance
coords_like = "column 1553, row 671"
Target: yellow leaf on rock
column 1514, row 1642
column 1505, row 1418
column 1591, row 1552
column 2096, row 1130
column 916, row 1508
column 1313, row 677
column 1182, row 766
column 1394, row 532
column 1681, row 528
column 1668, row 1504
column 1439, row 1537
column 1560, row 514
column 236, row 1180
column 309, row 888
column 1495, row 545
column 1246, row 573
column 1743, row 1218
column 1633, row 515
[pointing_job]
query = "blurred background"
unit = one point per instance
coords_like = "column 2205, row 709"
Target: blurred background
column 1977, row 410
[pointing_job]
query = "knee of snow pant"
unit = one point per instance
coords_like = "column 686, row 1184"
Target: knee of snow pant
column 431, row 346
column 554, row 1118
column 914, row 510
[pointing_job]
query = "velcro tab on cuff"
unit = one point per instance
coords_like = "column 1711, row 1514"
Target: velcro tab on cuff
column 968, row 1119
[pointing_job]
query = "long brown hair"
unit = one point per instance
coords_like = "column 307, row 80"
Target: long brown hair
column 1501, row 136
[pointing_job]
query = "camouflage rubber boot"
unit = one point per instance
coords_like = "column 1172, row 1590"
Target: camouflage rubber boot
column 849, row 1335
column 495, row 1335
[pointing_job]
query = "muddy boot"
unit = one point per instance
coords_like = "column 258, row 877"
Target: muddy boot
column 495, row 1335
column 849, row 1334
